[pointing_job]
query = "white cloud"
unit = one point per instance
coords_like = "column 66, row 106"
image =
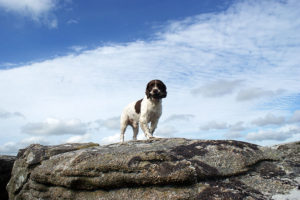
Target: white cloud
column 34, row 140
column 111, row 123
column 6, row 115
column 266, row 135
column 295, row 117
column 238, row 126
column 7, row 65
column 165, row 131
column 179, row 117
column 9, row 148
column 269, row 119
column 110, row 139
column 232, row 128
column 213, row 125
column 72, row 21
column 232, row 135
column 280, row 134
column 12, row 148
column 78, row 48
column 53, row 126
column 33, row 7
column 218, row 88
column 37, row 10
column 253, row 41
column 255, row 93
column 52, row 23
column 79, row 138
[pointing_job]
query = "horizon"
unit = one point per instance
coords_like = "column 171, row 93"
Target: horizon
column 68, row 68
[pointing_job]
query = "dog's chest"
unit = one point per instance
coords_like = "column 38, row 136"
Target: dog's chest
column 152, row 109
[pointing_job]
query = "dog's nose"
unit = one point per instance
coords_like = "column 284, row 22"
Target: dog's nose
column 155, row 91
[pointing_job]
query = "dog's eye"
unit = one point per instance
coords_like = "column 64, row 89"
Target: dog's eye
column 161, row 87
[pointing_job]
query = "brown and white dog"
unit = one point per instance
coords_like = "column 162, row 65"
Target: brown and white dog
column 144, row 111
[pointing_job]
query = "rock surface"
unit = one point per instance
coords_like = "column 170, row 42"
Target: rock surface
column 6, row 165
column 174, row 168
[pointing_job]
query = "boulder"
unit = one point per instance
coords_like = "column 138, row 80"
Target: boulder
column 175, row 168
column 6, row 165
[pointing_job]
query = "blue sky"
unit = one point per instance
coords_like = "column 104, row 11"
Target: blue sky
column 68, row 68
column 69, row 24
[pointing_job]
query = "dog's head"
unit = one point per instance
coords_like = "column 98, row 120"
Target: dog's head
column 156, row 89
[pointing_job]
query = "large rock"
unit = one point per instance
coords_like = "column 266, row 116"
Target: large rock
column 155, row 169
column 6, row 165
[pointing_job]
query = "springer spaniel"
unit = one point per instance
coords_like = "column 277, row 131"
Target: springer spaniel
column 144, row 111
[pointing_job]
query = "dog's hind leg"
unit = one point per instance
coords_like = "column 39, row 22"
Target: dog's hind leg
column 123, row 129
column 123, row 126
column 135, row 128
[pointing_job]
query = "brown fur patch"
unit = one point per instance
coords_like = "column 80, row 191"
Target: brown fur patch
column 137, row 106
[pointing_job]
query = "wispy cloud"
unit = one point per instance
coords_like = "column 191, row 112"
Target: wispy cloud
column 6, row 115
column 111, row 123
column 72, row 21
column 29, row 7
column 166, row 131
column 53, row 126
column 256, row 93
column 110, row 139
column 9, row 148
column 78, row 48
column 238, row 126
column 79, row 138
column 295, row 117
column 179, row 117
column 279, row 134
column 213, row 125
column 34, row 140
column 245, row 57
column 218, row 88
column 12, row 148
column 37, row 10
column 269, row 119
column 232, row 135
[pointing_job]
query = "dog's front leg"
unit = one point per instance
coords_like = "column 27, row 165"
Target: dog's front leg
column 154, row 123
column 145, row 127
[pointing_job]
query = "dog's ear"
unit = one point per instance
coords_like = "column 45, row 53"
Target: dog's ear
column 164, row 95
column 163, row 89
column 148, row 89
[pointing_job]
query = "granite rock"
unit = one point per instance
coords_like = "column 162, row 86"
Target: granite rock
column 175, row 168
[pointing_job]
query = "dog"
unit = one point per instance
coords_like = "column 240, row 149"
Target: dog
column 144, row 111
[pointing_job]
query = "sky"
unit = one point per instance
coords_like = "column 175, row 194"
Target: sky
column 69, row 67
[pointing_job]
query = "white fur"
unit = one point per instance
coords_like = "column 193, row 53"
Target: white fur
column 151, row 110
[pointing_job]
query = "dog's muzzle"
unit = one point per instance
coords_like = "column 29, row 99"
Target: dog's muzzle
column 156, row 94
